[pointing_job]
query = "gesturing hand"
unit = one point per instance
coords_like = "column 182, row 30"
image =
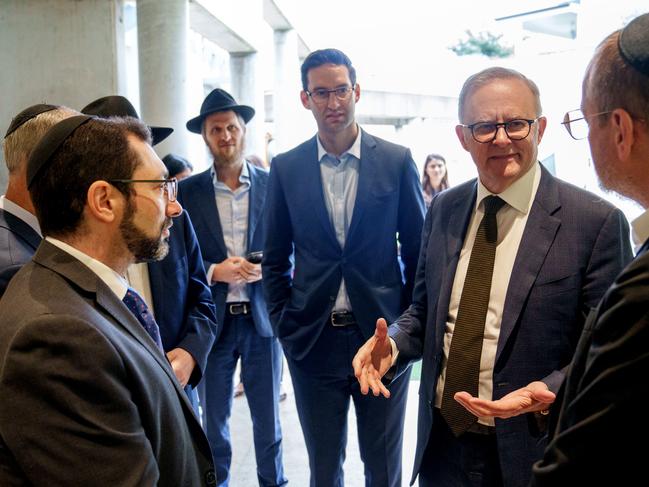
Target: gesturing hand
column 533, row 397
column 373, row 360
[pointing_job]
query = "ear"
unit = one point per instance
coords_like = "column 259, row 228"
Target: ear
column 357, row 93
column 305, row 100
column 624, row 136
column 542, row 123
column 104, row 201
column 459, row 131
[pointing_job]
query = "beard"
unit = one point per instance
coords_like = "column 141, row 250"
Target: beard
column 226, row 159
column 143, row 247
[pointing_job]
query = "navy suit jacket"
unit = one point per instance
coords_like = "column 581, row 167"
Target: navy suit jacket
column 18, row 242
column 388, row 204
column 197, row 196
column 573, row 246
column 182, row 301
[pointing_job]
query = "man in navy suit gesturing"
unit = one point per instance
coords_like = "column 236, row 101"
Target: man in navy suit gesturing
column 226, row 204
column 496, row 327
column 339, row 204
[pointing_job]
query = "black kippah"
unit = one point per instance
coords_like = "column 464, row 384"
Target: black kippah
column 633, row 43
column 50, row 143
column 26, row 115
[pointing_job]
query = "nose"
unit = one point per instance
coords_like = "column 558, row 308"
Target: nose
column 333, row 101
column 501, row 136
column 173, row 209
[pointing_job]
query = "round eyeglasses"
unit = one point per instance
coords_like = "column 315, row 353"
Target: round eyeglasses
column 486, row 132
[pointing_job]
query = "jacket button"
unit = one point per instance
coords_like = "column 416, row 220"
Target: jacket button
column 210, row 478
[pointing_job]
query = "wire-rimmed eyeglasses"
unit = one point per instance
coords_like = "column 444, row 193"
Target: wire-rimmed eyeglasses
column 321, row 95
column 169, row 186
column 486, row 132
column 576, row 123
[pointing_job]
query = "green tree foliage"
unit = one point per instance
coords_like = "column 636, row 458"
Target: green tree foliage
column 484, row 43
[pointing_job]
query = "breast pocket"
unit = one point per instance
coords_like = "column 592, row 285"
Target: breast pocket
column 555, row 285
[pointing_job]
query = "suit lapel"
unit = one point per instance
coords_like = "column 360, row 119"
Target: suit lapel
column 367, row 173
column 209, row 212
column 90, row 284
column 255, row 202
column 540, row 231
column 315, row 194
column 455, row 224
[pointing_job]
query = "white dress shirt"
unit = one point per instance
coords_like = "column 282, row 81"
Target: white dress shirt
column 112, row 279
column 512, row 219
column 640, row 229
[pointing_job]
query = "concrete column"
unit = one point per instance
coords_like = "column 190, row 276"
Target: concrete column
column 64, row 52
column 247, row 89
column 163, row 29
column 287, row 108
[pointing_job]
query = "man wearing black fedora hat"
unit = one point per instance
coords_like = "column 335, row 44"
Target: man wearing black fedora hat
column 175, row 288
column 19, row 230
column 226, row 204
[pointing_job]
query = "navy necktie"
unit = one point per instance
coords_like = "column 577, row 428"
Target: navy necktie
column 463, row 366
column 138, row 307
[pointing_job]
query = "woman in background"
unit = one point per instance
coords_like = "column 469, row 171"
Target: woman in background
column 435, row 178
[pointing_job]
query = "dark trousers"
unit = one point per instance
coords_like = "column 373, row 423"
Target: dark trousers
column 470, row 460
column 261, row 366
column 324, row 384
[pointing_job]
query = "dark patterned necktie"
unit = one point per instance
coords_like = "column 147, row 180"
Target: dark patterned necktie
column 138, row 307
column 463, row 365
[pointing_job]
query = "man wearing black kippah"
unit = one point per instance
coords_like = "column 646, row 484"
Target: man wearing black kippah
column 19, row 230
column 603, row 412
column 88, row 395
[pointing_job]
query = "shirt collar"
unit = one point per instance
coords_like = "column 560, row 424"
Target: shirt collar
column 244, row 177
column 641, row 228
column 354, row 150
column 20, row 212
column 520, row 195
column 112, row 279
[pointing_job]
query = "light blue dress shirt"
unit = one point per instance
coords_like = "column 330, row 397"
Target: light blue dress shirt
column 339, row 184
column 233, row 213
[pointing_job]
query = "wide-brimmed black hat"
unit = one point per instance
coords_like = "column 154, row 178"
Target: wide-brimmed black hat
column 118, row 106
column 219, row 101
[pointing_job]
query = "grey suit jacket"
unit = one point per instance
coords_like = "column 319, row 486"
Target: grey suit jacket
column 87, row 398
column 18, row 242
column 573, row 246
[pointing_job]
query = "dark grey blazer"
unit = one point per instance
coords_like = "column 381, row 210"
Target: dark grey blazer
column 573, row 246
column 18, row 242
column 86, row 396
